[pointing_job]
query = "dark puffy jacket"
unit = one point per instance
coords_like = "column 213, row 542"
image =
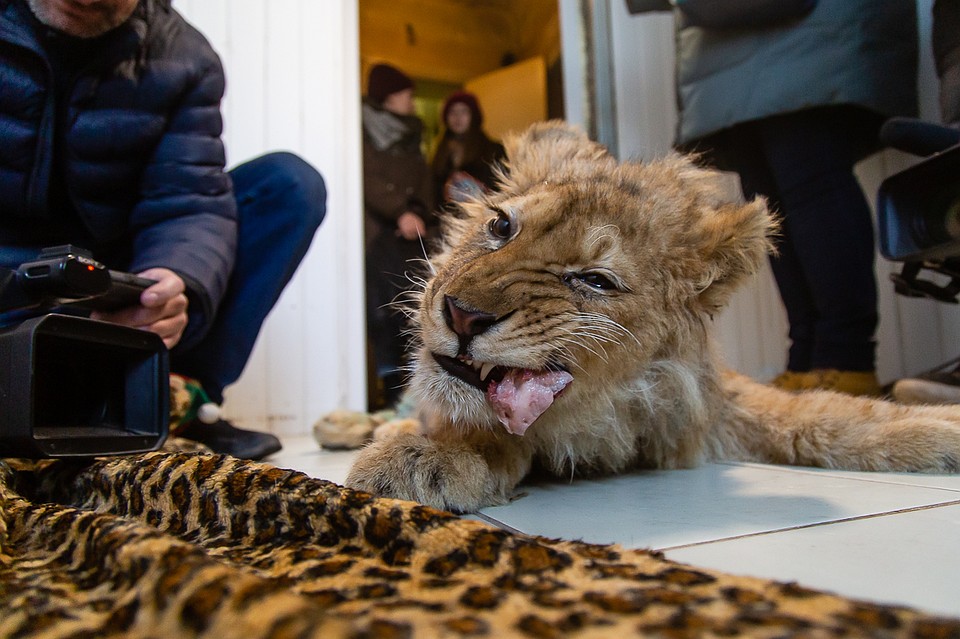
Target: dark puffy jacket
column 144, row 162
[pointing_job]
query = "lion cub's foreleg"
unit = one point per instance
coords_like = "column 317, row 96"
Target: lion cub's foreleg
column 448, row 470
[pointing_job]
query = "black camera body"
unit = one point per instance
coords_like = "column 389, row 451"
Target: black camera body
column 71, row 386
column 918, row 209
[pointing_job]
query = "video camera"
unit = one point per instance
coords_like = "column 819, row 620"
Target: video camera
column 918, row 209
column 71, row 386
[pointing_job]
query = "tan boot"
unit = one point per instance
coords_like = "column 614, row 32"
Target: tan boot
column 863, row 383
column 795, row 381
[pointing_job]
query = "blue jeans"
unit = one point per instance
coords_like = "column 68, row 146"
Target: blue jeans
column 281, row 201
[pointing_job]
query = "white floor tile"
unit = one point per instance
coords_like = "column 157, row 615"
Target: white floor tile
column 908, row 558
column 947, row 482
column 660, row 509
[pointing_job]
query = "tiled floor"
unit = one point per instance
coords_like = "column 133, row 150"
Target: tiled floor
column 885, row 537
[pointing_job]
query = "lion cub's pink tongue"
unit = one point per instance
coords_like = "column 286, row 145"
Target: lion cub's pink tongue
column 523, row 395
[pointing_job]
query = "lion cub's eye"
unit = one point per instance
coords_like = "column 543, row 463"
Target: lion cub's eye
column 501, row 227
column 593, row 279
column 598, row 281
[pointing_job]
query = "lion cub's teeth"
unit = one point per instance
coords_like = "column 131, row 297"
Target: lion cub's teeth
column 485, row 370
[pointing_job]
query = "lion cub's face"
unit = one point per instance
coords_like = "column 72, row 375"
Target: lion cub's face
column 575, row 277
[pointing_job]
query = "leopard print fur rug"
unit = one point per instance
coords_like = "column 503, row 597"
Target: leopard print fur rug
column 200, row 545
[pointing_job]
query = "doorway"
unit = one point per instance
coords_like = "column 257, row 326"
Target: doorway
column 506, row 52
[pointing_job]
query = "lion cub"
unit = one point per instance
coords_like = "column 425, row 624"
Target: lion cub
column 566, row 323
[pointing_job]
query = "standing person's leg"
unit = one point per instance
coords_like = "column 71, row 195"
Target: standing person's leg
column 281, row 202
column 384, row 265
column 827, row 218
column 393, row 265
column 946, row 54
column 741, row 150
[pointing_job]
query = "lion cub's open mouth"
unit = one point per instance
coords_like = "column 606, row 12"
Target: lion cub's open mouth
column 518, row 395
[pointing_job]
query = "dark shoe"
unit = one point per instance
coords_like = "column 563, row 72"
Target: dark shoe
column 225, row 438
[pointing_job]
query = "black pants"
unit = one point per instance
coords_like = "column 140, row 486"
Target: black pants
column 393, row 265
column 803, row 164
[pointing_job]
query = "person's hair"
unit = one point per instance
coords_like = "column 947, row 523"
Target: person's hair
column 475, row 143
column 471, row 102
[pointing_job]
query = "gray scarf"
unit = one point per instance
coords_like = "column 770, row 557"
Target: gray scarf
column 384, row 128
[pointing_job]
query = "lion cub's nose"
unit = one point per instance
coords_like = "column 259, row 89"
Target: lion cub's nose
column 463, row 322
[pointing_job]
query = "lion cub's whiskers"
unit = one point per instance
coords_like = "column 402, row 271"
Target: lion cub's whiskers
column 426, row 258
column 408, row 301
column 606, row 326
column 568, row 341
column 598, row 329
column 418, row 279
column 568, row 354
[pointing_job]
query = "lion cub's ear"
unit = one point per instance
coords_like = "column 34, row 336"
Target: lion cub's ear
column 732, row 237
column 551, row 150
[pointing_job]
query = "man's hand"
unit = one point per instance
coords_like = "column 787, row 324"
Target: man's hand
column 411, row 226
column 162, row 309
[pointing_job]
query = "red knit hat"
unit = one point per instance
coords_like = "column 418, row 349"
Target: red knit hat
column 464, row 97
column 385, row 80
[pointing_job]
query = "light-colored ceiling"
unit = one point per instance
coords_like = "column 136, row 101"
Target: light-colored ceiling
column 451, row 41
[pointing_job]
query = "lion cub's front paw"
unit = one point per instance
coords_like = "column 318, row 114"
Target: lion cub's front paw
column 415, row 468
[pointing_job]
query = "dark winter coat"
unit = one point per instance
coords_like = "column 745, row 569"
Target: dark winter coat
column 135, row 141
column 395, row 180
column 395, row 177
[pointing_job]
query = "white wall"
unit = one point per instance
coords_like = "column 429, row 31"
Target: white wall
column 293, row 83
